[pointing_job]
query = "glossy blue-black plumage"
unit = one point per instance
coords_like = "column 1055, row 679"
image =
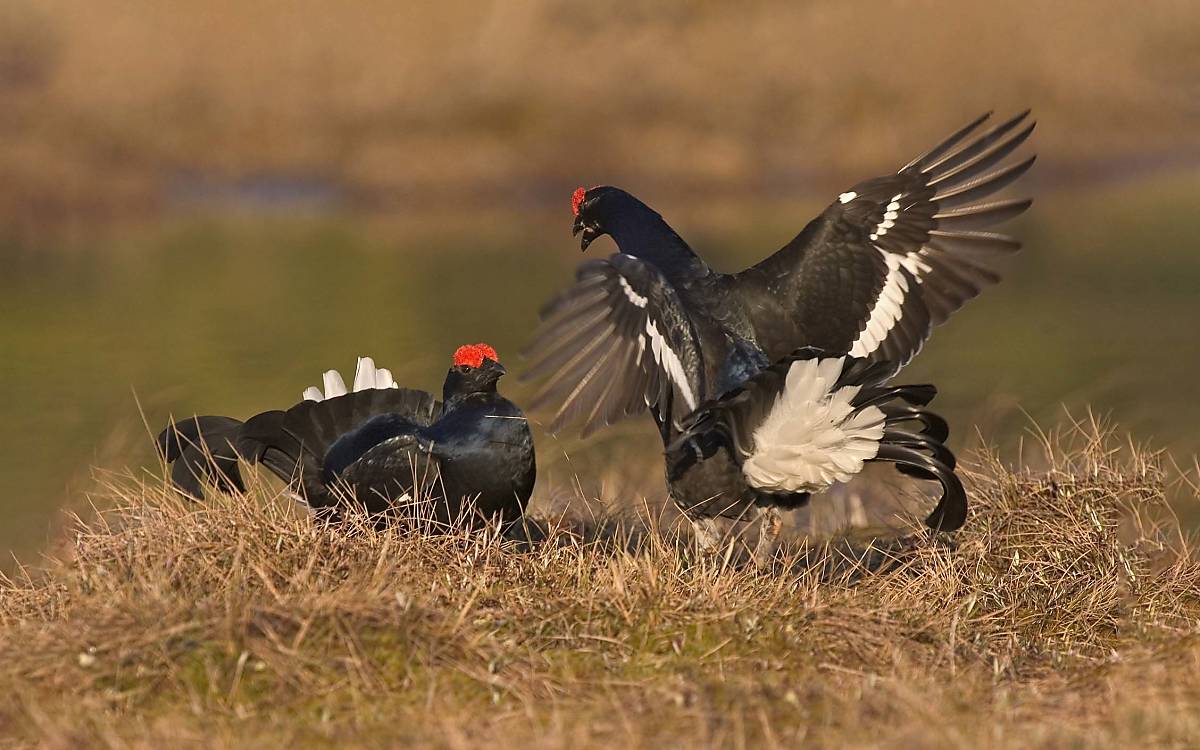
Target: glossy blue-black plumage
column 871, row 275
column 378, row 448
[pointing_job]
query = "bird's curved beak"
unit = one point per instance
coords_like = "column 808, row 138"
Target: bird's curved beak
column 589, row 233
column 496, row 367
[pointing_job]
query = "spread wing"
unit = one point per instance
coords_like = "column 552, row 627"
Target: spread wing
column 614, row 343
column 894, row 256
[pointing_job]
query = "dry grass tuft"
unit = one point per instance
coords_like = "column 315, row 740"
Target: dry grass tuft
column 1065, row 614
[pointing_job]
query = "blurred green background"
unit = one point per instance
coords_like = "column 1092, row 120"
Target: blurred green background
column 204, row 205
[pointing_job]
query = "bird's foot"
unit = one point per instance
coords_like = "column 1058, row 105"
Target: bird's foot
column 708, row 534
column 770, row 524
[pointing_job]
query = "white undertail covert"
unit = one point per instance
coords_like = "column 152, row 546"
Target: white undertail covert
column 813, row 437
column 366, row 377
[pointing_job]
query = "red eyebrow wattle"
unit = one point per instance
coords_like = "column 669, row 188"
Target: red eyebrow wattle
column 472, row 355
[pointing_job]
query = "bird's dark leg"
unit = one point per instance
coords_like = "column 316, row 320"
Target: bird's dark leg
column 705, row 530
column 770, row 524
column 707, row 534
column 662, row 416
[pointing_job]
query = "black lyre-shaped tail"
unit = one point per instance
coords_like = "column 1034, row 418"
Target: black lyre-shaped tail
column 913, row 437
column 202, row 450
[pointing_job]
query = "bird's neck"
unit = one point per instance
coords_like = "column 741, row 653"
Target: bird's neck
column 644, row 234
column 455, row 399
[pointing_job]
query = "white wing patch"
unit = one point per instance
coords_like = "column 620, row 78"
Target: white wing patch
column 888, row 306
column 637, row 299
column 366, row 377
column 813, row 437
column 891, row 213
column 913, row 263
column 887, row 309
column 669, row 361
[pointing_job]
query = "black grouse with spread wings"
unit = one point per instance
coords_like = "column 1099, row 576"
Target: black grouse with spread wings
column 890, row 258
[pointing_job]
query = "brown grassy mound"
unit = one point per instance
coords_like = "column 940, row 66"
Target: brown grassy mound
column 1064, row 614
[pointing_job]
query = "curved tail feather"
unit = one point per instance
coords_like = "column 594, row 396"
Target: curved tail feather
column 935, row 449
column 200, row 450
column 932, row 425
column 263, row 441
column 951, row 510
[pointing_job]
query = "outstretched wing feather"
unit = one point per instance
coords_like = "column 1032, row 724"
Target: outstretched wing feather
column 614, row 344
column 931, row 219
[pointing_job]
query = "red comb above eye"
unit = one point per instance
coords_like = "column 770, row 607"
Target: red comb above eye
column 472, row 355
column 577, row 199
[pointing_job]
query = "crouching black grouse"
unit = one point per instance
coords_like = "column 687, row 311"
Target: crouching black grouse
column 396, row 452
column 796, row 428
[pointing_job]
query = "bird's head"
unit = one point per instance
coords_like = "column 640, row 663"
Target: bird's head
column 599, row 210
column 476, row 369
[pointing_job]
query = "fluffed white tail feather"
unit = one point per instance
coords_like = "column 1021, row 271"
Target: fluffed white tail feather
column 813, row 436
column 334, row 385
column 366, row 377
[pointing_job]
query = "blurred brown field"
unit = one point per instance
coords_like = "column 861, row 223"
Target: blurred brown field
column 109, row 104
